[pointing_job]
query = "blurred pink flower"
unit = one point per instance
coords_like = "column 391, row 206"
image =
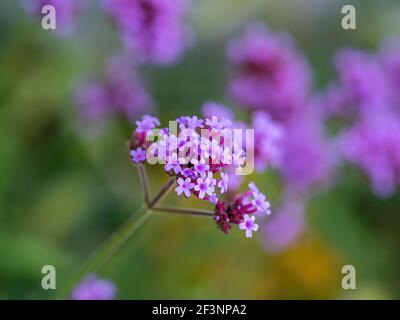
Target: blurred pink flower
column 121, row 93
column 152, row 29
column 362, row 79
column 94, row 288
column 269, row 74
column 390, row 57
column 307, row 156
column 284, row 227
column 268, row 138
column 373, row 144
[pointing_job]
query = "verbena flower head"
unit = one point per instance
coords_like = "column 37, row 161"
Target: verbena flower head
column 152, row 29
column 202, row 156
column 66, row 11
column 242, row 211
column 94, row 288
column 121, row 92
column 307, row 158
column 269, row 74
column 373, row 144
column 199, row 155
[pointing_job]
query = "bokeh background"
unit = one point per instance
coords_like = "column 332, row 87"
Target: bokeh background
column 63, row 191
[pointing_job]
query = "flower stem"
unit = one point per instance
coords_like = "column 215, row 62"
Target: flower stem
column 108, row 249
column 164, row 190
column 197, row 212
column 144, row 182
column 111, row 246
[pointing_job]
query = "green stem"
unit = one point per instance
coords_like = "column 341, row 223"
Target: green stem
column 184, row 211
column 112, row 245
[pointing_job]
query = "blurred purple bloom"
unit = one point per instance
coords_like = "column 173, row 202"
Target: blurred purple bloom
column 224, row 182
column 374, row 145
column 120, row 93
column 268, row 138
column 284, row 227
column 152, row 29
column 94, row 288
column 93, row 101
column 390, row 58
column 307, row 157
column 269, row 73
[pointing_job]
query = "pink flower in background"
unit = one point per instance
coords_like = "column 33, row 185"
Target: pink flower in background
column 152, row 29
column 66, row 11
column 373, row 144
column 307, row 157
column 389, row 56
column 269, row 74
column 94, row 288
column 268, row 138
column 363, row 84
column 93, row 101
column 127, row 94
column 224, row 182
column 121, row 92
column 332, row 101
column 284, row 227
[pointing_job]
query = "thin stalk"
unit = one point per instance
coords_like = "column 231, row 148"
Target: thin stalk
column 196, row 212
column 144, row 182
column 111, row 246
column 164, row 190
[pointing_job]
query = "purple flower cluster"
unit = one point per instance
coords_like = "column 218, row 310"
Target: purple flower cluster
column 269, row 138
column 358, row 73
column 239, row 210
column 367, row 91
column 201, row 157
column 374, row 145
column 94, row 288
column 269, row 73
column 152, row 29
column 307, row 158
column 284, row 227
column 196, row 155
column 389, row 56
column 121, row 93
